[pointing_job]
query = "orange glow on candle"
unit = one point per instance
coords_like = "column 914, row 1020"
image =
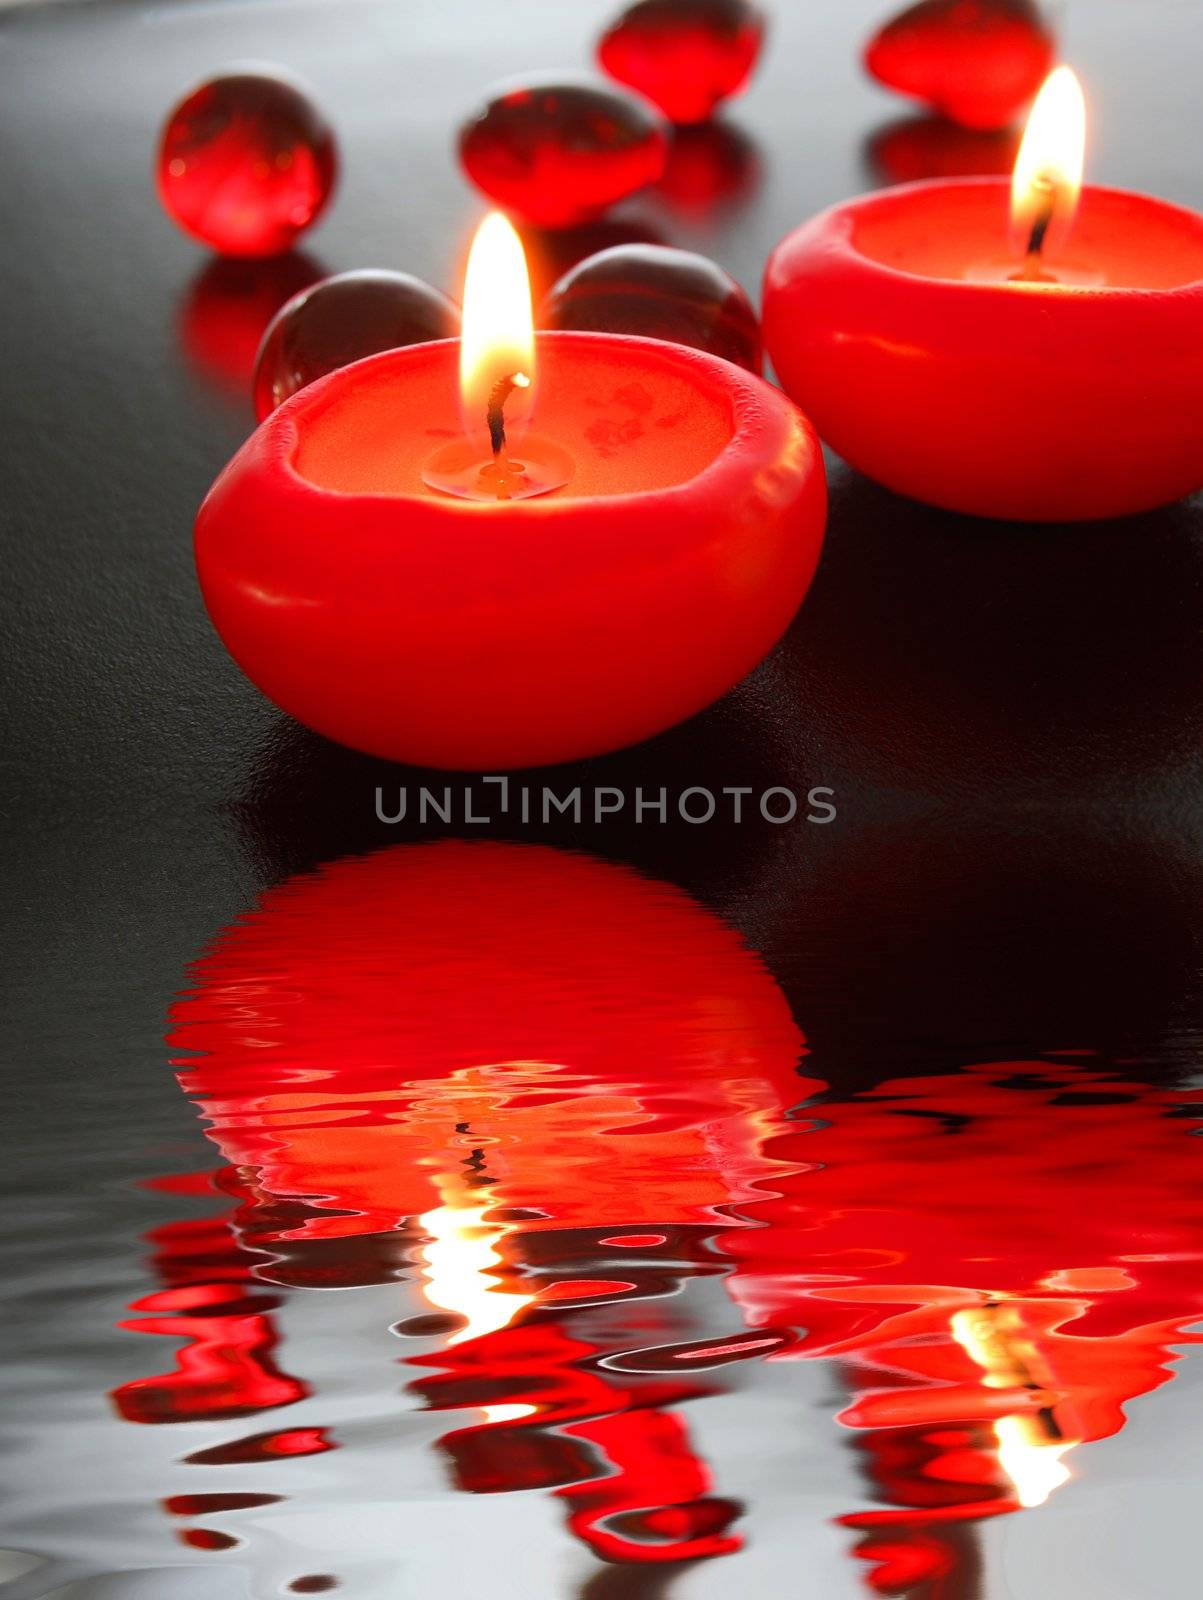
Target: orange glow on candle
column 1047, row 182
column 498, row 338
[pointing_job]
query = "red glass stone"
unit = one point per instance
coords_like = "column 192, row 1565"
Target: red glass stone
column 685, row 55
column 246, row 163
column 343, row 319
column 979, row 62
column 660, row 293
column 927, row 146
column 559, row 152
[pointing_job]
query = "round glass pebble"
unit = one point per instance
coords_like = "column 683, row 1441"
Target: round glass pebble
column 340, row 320
column 559, row 152
column 686, row 56
column 246, row 163
column 711, row 166
column 660, row 293
column 978, row 62
column 227, row 309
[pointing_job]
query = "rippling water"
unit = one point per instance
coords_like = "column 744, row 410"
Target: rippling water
column 532, row 1257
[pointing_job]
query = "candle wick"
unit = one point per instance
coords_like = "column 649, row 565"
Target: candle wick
column 498, row 395
column 502, row 470
column 1040, row 229
column 1033, row 270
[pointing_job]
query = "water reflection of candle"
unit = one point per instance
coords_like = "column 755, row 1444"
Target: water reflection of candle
column 1001, row 1259
column 460, row 1252
column 520, row 1059
column 582, row 1021
column 1030, row 1447
column 480, row 1063
column 458, row 1256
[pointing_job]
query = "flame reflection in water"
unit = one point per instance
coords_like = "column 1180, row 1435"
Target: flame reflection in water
column 554, row 1096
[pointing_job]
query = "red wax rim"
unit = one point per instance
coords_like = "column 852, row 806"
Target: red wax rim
column 931, row 230
column 471, row 634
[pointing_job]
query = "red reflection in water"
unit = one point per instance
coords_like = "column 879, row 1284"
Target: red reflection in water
column 618, row 1457
column 226, row 1365
column 542, row 1083
column 711, row 166
column 912, row 148
column 379, row 1034
column 207, row 1539
column 282, row 1444
column 225, row 313
column 1003, row 1259
column 477, row 1048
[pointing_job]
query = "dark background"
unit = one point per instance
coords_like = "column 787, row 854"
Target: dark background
column 1009, row 716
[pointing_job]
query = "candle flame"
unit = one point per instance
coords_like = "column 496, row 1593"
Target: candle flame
column 1047, row 183
column 457, row 1265
column 497, row 342
column 1032, row 1463
column 1030, row 1445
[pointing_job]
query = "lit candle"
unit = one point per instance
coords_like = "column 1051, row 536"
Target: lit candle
column 519, row 550
column 1028, row 351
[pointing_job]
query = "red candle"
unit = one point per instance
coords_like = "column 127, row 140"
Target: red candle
column 1002, row 359
column 416, row 584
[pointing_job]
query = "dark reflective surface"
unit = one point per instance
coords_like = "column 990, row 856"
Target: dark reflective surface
column 910, row 148
column 1009, row 718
